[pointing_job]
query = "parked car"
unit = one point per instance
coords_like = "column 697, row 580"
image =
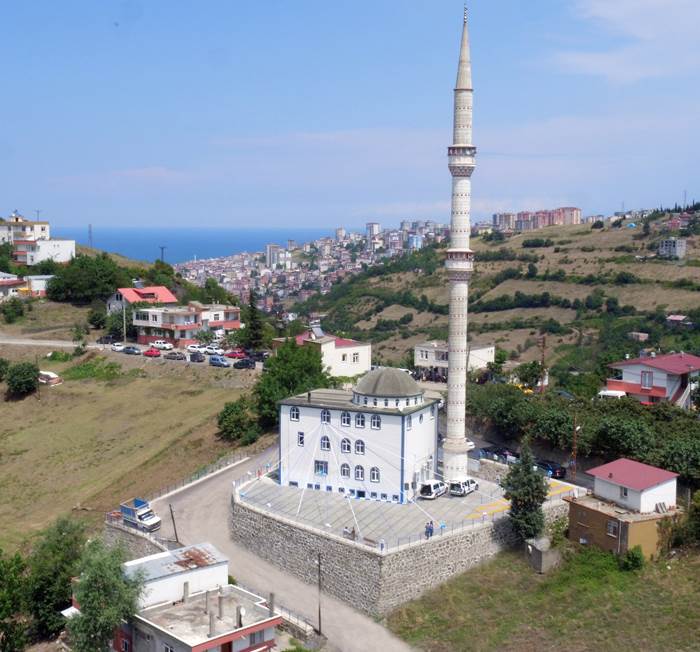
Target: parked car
column 106, row 339
column 118, row 346
column 162, row 345
column 195, row 348
column 551, row 469
column 258, row 356
column 131, row 350
column 245, row 363
column 431, row 490
column 239, row 354
column 463, row 488
column 152, row 353
column 175, row 355
column 218, row 361
column 49, row 378
column 197, row 357
column 499, row 454
column 212, row 349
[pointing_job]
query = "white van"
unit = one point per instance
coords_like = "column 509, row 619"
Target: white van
column 431, row 490
column 611, row 393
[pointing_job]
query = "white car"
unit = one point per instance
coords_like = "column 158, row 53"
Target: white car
column 431, row 490
column 162, row 345
column 195, row 348
column 212, row 349
column 470, row 445
column 463, row 488
column 118, row 346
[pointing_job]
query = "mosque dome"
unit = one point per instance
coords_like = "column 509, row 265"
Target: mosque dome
column 387, row 382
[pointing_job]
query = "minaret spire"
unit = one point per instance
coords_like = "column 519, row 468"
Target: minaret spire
column 459, row 265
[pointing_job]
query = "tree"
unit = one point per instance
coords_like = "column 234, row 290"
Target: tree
column 529, row 373
column 106, row 597
column 204, row 336
column 694, row 517
column 97, row 317
column 86, row 278
column 598, row 224
column 238, row 422
column 499, row 359
column 114, row 323
column 253, row 335
column 22, row 378
column 531, row 270
column 12, row 310
column 527, row 490
column 52, row 563
column 13, row 630
column 232, row 339
column 292, row 370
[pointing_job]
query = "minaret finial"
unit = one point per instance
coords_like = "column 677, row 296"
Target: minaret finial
column 465, row 12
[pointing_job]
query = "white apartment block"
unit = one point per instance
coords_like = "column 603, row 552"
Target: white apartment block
column 377, row 442
column 32, row 252
column 432, row 358
column 673, row 248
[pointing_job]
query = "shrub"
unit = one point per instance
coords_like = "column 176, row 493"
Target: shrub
column 598, row 224
column 632, row 560
column 98, row 368
column 22, row 378
column 4, row 366
column 237, row 422
column 12, row 310
column 537, row 242
column 59, row 356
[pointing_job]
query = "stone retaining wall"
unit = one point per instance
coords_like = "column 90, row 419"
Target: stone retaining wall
column 136, row 544
column 370, row 581
column 488, row 470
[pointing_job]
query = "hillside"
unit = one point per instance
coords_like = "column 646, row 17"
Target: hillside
column 576, row 284
column 122, row 261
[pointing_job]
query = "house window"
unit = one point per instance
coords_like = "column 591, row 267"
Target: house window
column 344, row 470
column 409, row 422
column 386, row 402
column 384, row 496
column 360, row 447
column 344, row 357
column 300, row 439
column 154, row 317
column 647, row 379
column 294, row 414
column 432, row 411
column 611, row 528
column 257, row 637
column 360, row 420
column 375, row 402
column 373, row 495
column 345, row 446
column 623, row 493
column 125, row 645
column 168, row 648
column 365, row 400
column 325, row 443
column 325, row 416
column 374, row 475
column 345, row 419
column 320, row 467
column 359, row 472
column 420, row 419
column 355, row 357
column 376, row 422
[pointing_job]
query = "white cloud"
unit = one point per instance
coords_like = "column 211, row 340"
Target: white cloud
column 658, row 39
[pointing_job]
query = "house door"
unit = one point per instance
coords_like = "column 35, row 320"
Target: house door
column 227, row 647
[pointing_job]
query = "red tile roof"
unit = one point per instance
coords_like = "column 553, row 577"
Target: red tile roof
column 634, row 475
column 635, row 388
column 672, row 363
column 151, row 294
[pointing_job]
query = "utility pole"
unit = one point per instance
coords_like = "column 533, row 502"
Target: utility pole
column 123, row 320
column 319, row 593
column 38, row 213
column 542, row 343
column 162, row 253
column 574, row 449
column 90, row 236
column 172, row 516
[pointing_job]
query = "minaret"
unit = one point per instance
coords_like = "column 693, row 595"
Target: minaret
column 459, row 265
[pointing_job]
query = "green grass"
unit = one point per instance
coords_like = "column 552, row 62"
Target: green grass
column 97, row 368
column 587, row 604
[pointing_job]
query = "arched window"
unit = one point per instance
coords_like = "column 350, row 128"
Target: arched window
column 345, row 418
column 360, row 447
column 325, row 416
column 325, row 443
column 345, row 446
column 294, row 413
column 397, row 402
column 374, row 475
column 359, row 472
column 375, row 402
column 420, row 418
column 365, row 400
column 359, row 421
column 386, row 402
column 409, row 422
column 376, row 421
column 344, row 470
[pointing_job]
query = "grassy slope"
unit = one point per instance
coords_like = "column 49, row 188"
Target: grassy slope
column 92, row 443
column 47, row 320
column 588, row 604
column 122, row 261
column 571, row 257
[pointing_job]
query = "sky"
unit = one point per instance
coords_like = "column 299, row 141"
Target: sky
column 239, row 114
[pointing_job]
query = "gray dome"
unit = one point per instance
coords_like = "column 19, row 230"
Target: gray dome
column 388, row 382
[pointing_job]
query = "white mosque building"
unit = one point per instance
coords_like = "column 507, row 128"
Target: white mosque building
column 378, row 441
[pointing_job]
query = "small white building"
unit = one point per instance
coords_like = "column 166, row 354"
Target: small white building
column 15, row 227
column 32, row 252
column 673, row 248
column 378, row 441
column 635, row 486
column 432, row 358
column 340, row 356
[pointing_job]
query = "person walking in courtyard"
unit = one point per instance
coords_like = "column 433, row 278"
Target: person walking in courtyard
column 427, row 530
column 431, row 529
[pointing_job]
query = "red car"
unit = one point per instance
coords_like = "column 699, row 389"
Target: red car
column 235, row 353
column 152, row 353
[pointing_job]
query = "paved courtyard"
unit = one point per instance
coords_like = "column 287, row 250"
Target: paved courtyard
column 374, row 520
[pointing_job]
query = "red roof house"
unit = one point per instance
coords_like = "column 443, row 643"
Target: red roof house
column 129, row 296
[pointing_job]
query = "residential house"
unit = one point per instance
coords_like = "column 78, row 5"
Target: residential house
column 629, row 500
column 128, row 296
column 340, row 356
column 672, row 248
column 10, row 286
column 431, row 359
column 678, row 321
column 180, row 324
column 378, row 441
column 655, row 378
column 32, row 252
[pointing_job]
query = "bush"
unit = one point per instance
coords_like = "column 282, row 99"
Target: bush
column 4, row 366
column 22, row 378
column 98, row 368
column 598, row 224
column 12, row 310
column 632, row 560
column 237, row 422
column 537, row 242
column 97, row 317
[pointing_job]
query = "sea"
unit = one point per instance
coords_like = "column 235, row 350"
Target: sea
column 185, row 244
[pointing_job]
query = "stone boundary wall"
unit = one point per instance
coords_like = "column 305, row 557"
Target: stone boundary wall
column 488, row 470
column 136, row 544
column 367, row 579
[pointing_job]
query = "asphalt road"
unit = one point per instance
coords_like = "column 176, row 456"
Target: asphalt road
column 25, row 341
column 202, row 514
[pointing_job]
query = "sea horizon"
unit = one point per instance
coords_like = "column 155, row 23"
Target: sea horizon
column 186, row 244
